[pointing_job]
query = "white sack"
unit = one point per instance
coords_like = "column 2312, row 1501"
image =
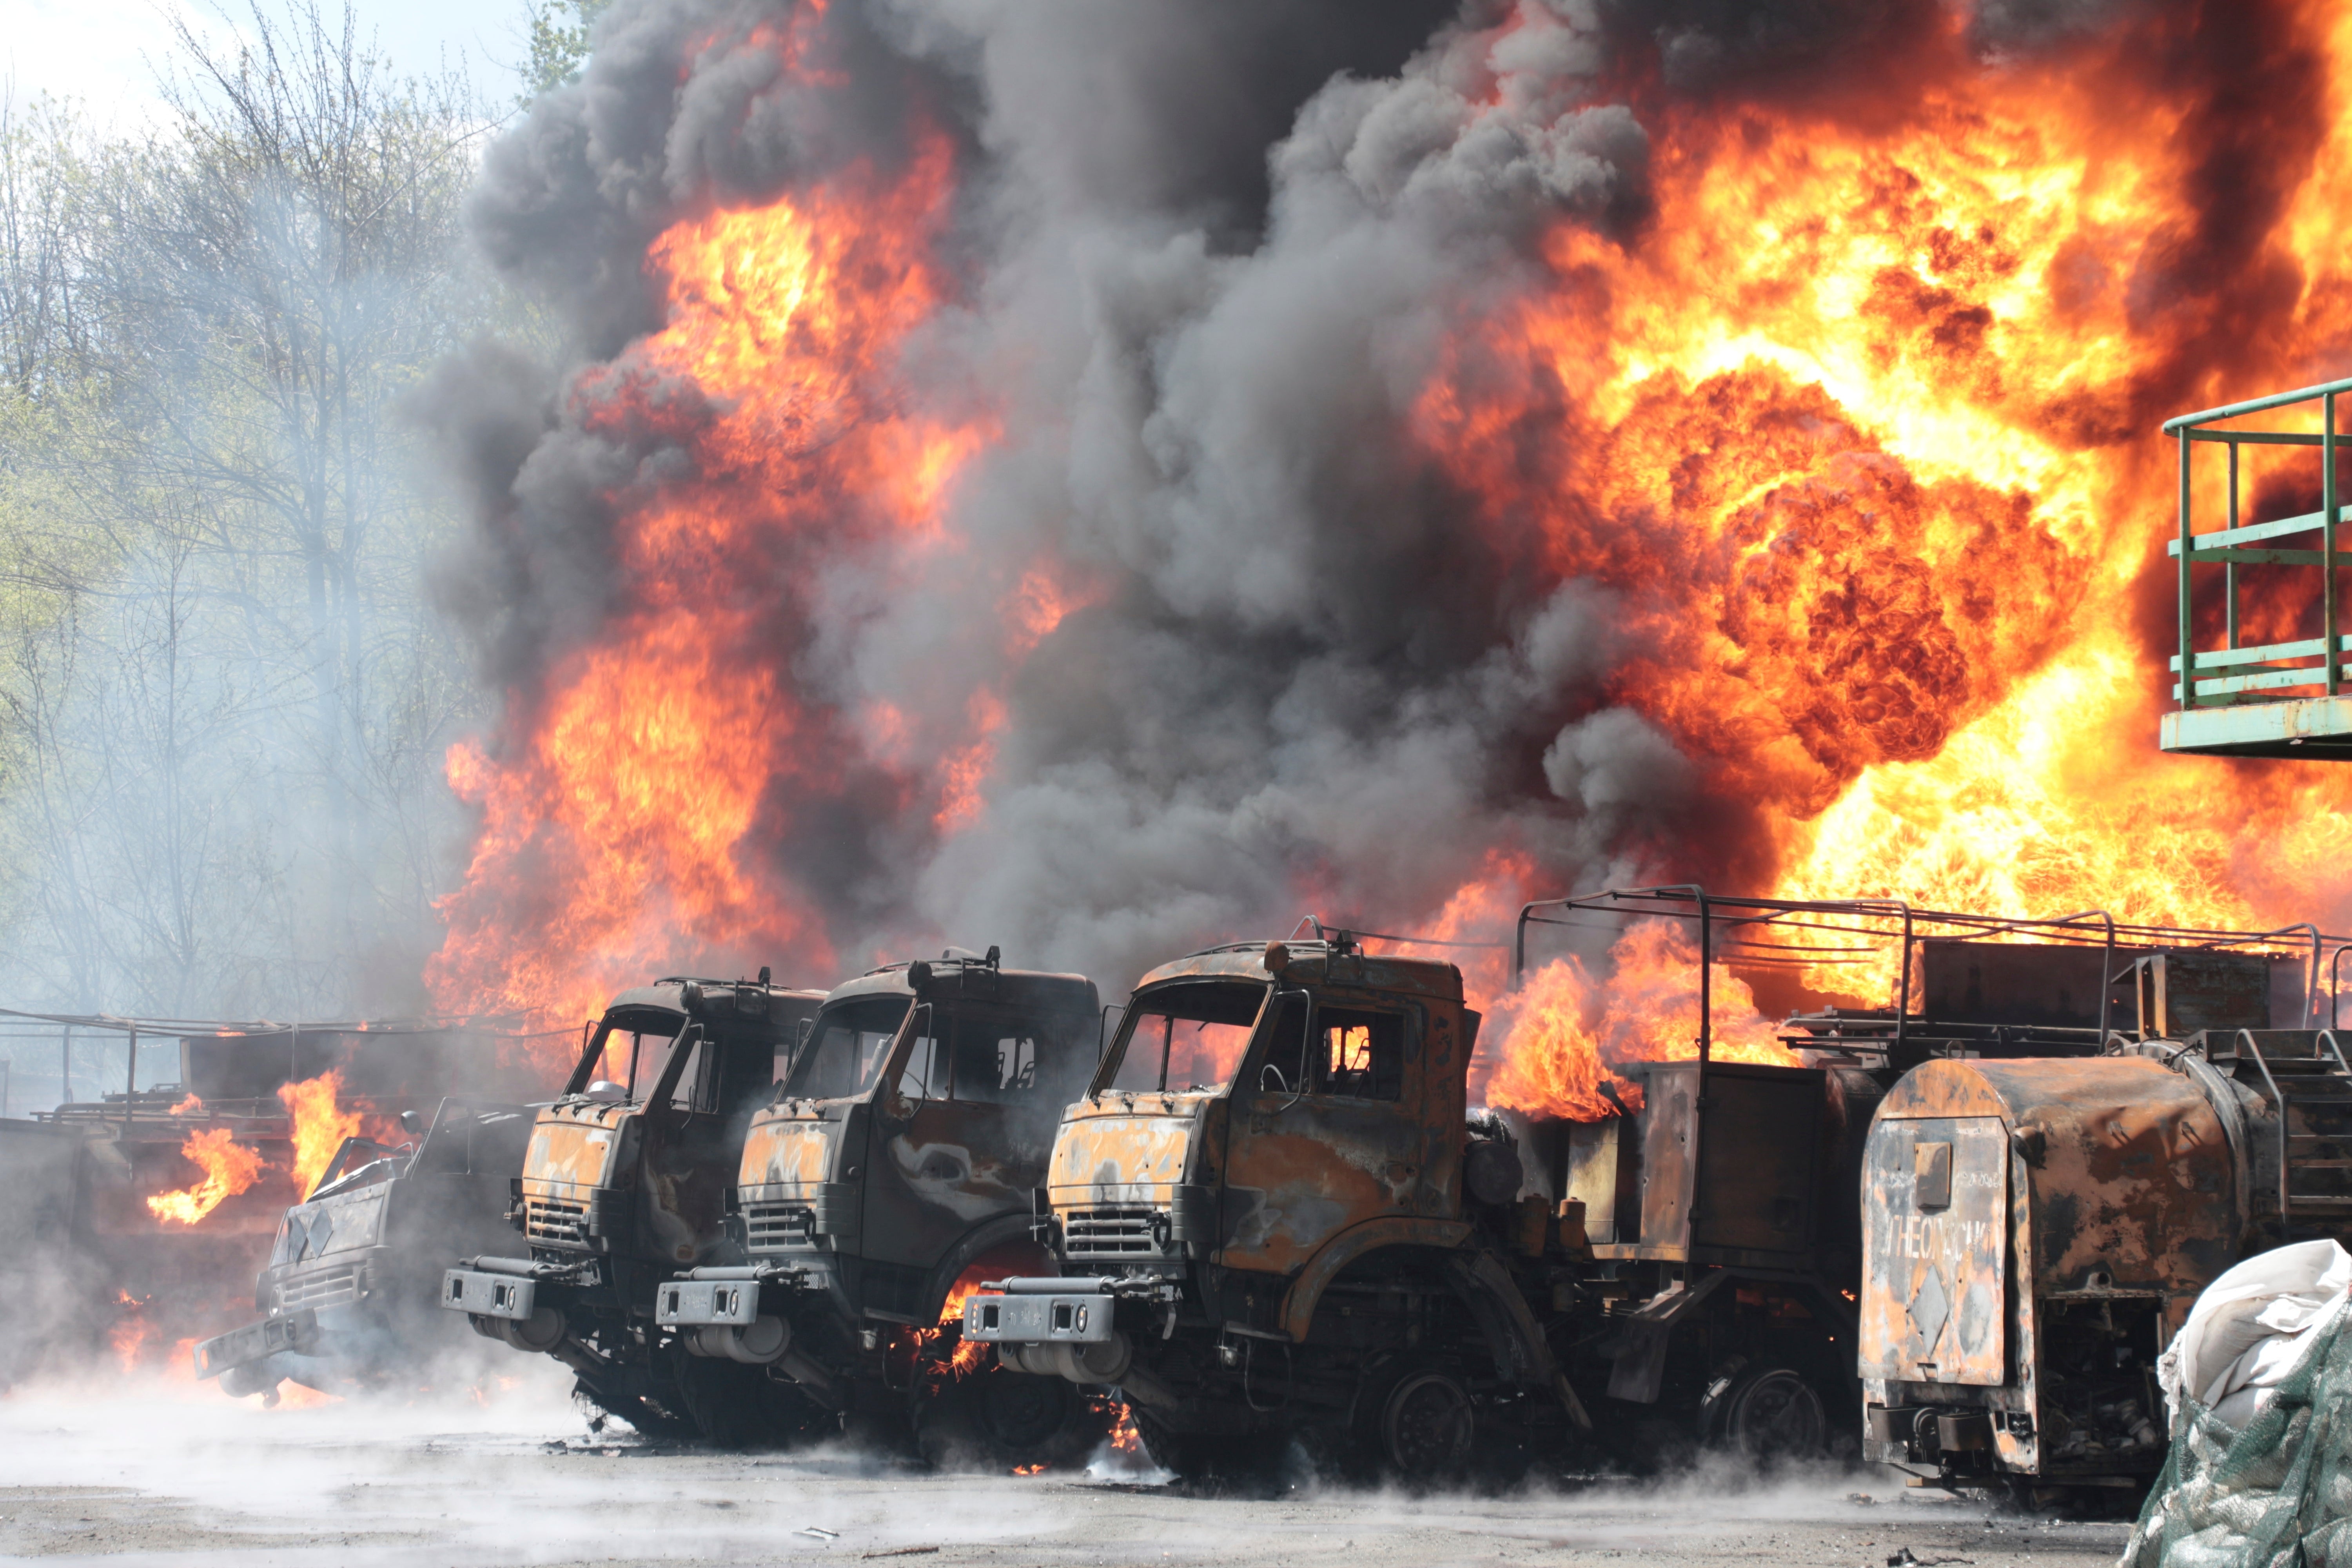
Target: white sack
column 2252, row 1326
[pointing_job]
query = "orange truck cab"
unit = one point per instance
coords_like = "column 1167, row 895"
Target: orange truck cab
column 625, row 1179
column 1259, row 1205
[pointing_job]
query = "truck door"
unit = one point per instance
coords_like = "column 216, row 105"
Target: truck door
column 1328, row 1128
column 962, row 1135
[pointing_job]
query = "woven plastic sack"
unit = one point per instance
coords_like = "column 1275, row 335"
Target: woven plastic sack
column 2272, row 1489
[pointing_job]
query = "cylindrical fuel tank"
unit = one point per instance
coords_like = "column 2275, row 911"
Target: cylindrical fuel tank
column 2003, row 1197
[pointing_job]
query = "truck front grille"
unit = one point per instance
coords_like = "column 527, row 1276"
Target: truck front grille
column 319, row 1288
column 779, row 1228
column 1113, row 1232
column 557, row 1222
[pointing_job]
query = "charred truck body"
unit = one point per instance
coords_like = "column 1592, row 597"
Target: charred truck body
column 893, row 1170
column 346, row 1297
column 1272, row 1215
column 623, row 1181
column 2035, row 1232
column 1263, row 1209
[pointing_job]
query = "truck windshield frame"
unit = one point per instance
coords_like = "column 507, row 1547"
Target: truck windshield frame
column 1190, row 1022
column 848, row 1047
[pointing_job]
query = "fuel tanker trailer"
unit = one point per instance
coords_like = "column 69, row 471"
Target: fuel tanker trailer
column 624, row 1180
column 886, row 1176
column 2035, row 1232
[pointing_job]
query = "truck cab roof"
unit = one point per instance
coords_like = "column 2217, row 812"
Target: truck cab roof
column 1313, row 963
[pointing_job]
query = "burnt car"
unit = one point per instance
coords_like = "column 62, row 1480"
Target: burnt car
column 888, row 1175
column 346, row 1297
column 625, row 1182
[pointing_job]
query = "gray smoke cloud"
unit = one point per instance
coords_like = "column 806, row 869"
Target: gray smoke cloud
column 1215, row 258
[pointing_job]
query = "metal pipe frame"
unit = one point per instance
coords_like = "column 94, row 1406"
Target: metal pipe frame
column 2189, row 428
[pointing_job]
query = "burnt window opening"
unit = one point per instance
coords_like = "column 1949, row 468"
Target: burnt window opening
column 847, row 1047
column 995, row 1062
column 1187, row 1036
column 991, row 1057
column 1359, row 1054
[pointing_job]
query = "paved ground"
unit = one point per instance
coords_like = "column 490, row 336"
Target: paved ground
column 164, row 1473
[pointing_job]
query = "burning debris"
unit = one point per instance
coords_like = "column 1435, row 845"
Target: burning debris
column 1566, row 1032
column 229, row 1168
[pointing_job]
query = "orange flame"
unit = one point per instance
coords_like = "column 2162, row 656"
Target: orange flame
column 1124, row 1437
column 1872, row 406
column 1565, row 1032
column 130, row 1333
column 319, row 1127
column 229, row 1168
column 626, row 806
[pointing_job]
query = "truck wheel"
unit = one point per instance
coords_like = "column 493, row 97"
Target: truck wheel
column 722, row 1400
column 1204, row 1456
column 993, row 1419
column 1771, row 1411
column 1423, row 1425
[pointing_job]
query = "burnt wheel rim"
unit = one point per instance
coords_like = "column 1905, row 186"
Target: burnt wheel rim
column 1020, row 1412
column 1778, row 1414
column 1426, row 1425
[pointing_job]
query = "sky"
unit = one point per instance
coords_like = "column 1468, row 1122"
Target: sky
column 106, row 53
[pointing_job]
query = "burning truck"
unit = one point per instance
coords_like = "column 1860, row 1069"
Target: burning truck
column 1274, row 1216
column 166, row 1194
column 346, row 1297
column 889, row 1175
column 624, row 1180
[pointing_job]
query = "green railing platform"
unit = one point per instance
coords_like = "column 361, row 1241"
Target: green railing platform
column 2278, row 699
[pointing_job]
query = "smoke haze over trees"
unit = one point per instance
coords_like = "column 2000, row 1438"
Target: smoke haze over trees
column 225, row 698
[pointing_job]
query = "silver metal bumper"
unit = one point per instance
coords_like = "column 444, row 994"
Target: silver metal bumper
column 1040, row 1311
column 295, row 1332
column 684, row 1303
column 483, row 1295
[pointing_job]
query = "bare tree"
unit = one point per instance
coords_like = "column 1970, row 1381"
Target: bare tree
column 229, row 695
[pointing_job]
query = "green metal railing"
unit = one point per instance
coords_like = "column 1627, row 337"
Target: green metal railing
column 2273, row 672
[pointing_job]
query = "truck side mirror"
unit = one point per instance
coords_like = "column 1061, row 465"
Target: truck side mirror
column 412, row 1123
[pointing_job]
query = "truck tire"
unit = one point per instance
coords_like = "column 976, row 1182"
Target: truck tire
column 1770, row 1410
column 1254, row 1456
column 1414, row 1423
column 993, row 1419
column 736, row 1406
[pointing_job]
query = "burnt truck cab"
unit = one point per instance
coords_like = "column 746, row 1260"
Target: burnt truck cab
column 1259, row 1209
column 624, row 1180
column 892, row 1168
column 346, row 1295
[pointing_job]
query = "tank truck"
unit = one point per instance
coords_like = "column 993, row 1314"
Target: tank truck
column 1274, row 1214
column 624, row 1180
column 346, row 1295
column 891, row 1172
column 2036, row 1232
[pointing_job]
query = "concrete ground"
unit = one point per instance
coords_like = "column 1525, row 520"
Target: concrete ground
column 170, row 1472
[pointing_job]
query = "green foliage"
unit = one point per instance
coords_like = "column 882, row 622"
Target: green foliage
column 560, row 33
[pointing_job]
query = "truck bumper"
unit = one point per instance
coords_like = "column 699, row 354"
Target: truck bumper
column 694, row 1303
column 1050, row 1327
column 296, row 1331
column 485, row 1295
column 1040, row 1311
